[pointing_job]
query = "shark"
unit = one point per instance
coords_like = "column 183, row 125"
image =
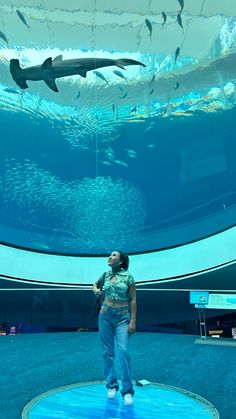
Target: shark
column 52, row 69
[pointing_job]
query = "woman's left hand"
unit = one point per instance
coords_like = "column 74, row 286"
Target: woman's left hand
column 131, row 327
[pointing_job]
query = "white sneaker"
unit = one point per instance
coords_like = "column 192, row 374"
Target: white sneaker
column 128, row 399
column 111, row 394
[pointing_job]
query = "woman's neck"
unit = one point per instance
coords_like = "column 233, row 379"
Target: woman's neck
column 116, row 269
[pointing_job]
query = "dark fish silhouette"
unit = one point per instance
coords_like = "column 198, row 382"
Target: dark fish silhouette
column 54, row 69
column 179, row 20
column 153, row 78
column 11, row 90
column 164, row 19
column 176, row 85
column 181, row 2
column 3, row 37
column 100, row 75
column 124, row 96
column 22, row 18
column 120, row 88
column 78, row 95
column 151, row 92
column 177, row 51
column 119, row 74
column 134, row 109
column 149, row 25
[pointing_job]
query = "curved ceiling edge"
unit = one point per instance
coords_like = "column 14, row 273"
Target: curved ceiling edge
column 179, row 262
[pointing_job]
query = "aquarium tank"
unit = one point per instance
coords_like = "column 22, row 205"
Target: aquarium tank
column 117, row 132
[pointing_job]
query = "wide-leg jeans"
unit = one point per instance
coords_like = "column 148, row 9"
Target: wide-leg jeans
column 113, row 328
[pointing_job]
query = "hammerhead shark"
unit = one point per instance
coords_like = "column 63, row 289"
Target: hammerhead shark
column 56, row 68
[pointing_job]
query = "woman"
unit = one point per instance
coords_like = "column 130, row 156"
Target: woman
column 117, row 321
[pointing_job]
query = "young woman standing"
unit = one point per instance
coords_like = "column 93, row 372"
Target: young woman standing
column 117, row 321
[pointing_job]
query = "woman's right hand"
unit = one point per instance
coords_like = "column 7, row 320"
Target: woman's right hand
column 97, row 293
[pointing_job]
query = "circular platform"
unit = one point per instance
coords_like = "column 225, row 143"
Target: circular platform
column 88, row 401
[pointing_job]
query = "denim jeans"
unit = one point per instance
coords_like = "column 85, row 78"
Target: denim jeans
column 113, row 327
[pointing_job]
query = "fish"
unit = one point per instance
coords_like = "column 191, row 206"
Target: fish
column 11, row 90
column 176, row 85
column 134, row 109
column 177, row 51
column 153, row 78
column 3, row 37
column 56, row 68
column 121, row 89
column 179, row 20
column 149, row 128
column 22, row 18
column 78, row 95
column 124, row 96
column 164, row 19
column 149, row 25
column 151, row 92
column 41, row 245
column 181, row 2
column 132, row 154
column 106, row 163
column 119, row 74
column 100, row 75
column 110, row 153
column 110, row 156
column 121, row 163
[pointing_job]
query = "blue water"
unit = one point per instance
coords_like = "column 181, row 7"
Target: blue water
column 182, row 168
column 140, row 158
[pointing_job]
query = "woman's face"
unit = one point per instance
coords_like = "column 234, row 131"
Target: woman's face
column 114, row 260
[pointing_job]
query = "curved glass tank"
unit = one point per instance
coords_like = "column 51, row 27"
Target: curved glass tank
column 137, row 157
